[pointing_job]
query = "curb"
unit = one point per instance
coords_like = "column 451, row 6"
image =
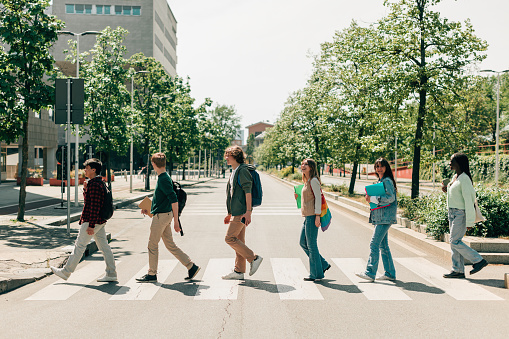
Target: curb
column 420, row 240
column 9, row 282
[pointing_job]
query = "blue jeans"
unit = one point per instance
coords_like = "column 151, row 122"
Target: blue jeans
column 380, row 243
column 308, row 243
column 460, row 250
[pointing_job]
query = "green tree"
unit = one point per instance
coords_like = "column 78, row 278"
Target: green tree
column 430, row 53
column 152, row 91
column 106, row 95
column 250, row 147
column 29, row 33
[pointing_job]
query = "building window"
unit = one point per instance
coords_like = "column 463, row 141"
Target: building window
column 69, row 9
column 159, row 22
column 136, row 10
column 107, row 9
column 127, row 10
column 80, row 9
column 158, row 43
column 118, row 10
column 88, row 9
column 98, row 9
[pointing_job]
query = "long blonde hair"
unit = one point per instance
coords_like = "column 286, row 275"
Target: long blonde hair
column 313, row 171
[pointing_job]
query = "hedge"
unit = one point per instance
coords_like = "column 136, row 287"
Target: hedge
column 432, row 211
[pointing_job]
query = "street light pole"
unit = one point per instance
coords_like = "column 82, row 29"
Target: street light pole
column 497, row 133
column 76, row 150
column 132, row 146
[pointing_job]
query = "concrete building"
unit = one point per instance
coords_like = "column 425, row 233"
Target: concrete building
column 42, row 134
column 151, row 25
column 239, row 138
column 152, row 30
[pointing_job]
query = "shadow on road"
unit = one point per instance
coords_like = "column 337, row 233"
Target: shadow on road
column 266, row 286
column 189, row 288
column 345, row 288
column 34, row 236
column 418, row 287
column 498, row 283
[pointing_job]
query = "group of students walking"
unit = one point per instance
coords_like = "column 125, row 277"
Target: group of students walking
column 164, row 208
column 460, row 203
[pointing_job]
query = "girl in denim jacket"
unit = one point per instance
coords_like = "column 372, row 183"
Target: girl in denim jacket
column 382, row 218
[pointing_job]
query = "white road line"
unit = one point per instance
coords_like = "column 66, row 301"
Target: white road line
column 459, row 289
column 212, row 286
column 134, row 290
column 289, row 274
column 63, row 289
column 372, row 290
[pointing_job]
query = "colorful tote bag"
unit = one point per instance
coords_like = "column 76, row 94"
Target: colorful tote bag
column 325, row 216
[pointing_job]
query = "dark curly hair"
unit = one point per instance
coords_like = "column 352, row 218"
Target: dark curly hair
column 236, row 152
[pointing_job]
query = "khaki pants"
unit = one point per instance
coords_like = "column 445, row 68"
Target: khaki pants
column 81, row 245
column 236, row 237
column 161, row 228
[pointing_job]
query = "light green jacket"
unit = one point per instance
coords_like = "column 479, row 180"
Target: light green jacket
column 461, row 195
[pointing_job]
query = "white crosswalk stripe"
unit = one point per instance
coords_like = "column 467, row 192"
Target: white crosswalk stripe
column 268, row 209
column 372, row 291
column 289, row 274
column 459, row 289
column 63, row 289
column 212, row 286
column 134, row 290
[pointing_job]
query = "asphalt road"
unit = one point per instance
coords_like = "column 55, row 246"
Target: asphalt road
column 273, row 303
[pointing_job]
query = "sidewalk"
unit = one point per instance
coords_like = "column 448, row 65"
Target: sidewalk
column 28, row 249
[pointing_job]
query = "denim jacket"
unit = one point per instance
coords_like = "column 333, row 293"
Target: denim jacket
column 386, row 215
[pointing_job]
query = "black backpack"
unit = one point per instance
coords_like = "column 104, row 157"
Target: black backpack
column 182, row 198
column 107, row 209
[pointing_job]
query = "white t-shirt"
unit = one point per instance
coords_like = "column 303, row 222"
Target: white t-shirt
column 232, row 176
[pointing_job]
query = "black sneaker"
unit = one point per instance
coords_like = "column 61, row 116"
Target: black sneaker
column 456, row 275
column 326, row 268
column 147, row 278
column 192, row 272
column 479, row 266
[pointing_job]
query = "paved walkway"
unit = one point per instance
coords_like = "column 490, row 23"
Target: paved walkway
column 27, row 249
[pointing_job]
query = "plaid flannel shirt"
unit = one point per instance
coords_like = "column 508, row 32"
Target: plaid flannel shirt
column 94, row 199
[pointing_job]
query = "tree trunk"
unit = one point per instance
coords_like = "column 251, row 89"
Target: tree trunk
column 24, row 170
column 293, row 163
column 184, row 171
column 147, row 174
column 417, row 145
column 352, row 178
column 108, row 171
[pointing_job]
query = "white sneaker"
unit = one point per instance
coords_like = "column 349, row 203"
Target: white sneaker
column 107, row 278
column 255, row 264
column 364, row 276
column 58, row 272
column 233, row 276
column 384, row 277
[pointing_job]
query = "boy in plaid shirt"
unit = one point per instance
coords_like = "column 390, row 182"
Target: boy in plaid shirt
column 92, row 225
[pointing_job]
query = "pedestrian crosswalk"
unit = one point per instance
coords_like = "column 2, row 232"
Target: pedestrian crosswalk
column 276, row 209
column 287, row 278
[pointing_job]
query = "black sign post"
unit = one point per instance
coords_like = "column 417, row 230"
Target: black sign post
column 69, row 108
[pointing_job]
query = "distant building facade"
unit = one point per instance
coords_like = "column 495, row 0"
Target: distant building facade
column 258, row 128
column 151, row 25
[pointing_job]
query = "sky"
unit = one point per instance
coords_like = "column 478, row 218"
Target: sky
column 252, row 54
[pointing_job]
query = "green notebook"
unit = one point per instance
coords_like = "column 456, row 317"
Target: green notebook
column 298, row 190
